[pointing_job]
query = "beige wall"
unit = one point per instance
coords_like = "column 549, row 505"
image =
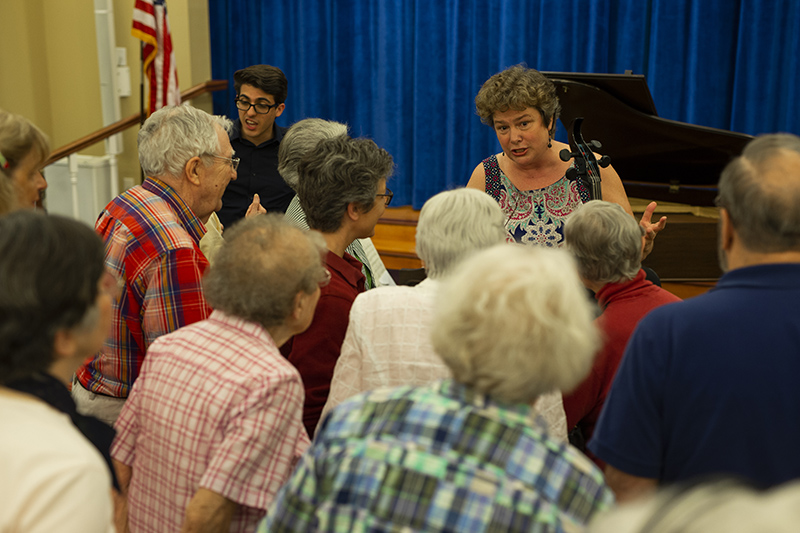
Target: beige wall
column 24, row 88
column 48, row 56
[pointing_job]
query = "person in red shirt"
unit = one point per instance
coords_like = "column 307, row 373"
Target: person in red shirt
column 151, row 234
column 607, row 245
column 343, row 192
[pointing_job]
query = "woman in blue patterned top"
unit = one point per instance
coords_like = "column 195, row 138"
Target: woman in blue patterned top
column 528, row 178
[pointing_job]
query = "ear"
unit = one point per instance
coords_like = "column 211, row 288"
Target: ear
column 302, row 301
column 279, row 110
column 727, row 234
column 353, row 212
column 297, row 307
column 194, row 169
column 552, row 124
column 64, row 344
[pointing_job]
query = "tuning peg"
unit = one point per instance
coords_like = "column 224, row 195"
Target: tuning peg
column 565, row 155
column 572, row 173
column 604, row 161
column 595, row 145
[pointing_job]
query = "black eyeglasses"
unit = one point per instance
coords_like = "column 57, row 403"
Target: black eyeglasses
column 233, row 161
column 388, row 195
column 261, row 107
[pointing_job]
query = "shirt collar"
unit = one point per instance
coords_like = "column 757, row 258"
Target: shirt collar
column 768, row 276
column 348, row 267
column 520, row 413
column 610, row 290
column 188, row 219
column 236, row 133
column 243, row 326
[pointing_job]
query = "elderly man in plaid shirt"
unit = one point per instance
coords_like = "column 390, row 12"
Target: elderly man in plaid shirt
column 213, row 425
column 151, row 234
column 467, row 453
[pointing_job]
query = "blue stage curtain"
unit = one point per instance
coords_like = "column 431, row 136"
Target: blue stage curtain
column 405, row 72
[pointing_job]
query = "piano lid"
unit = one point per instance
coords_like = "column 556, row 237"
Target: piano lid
column 656, row 158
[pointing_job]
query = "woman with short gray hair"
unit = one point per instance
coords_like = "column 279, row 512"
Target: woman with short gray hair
column 467, row 453
column 388, row 339
column 607, row 245
column 301, row 139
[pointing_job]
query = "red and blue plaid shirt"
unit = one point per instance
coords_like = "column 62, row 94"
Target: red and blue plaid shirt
column 151, row 243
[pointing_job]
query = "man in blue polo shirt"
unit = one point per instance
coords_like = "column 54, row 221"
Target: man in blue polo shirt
column 710, row 385
column 260, row 94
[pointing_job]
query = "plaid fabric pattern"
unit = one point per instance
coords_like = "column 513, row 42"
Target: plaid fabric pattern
column 438, row 458
column 152, row 243
column 216, row 406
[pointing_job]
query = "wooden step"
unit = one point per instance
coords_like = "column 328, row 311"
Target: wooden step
column 395, row 238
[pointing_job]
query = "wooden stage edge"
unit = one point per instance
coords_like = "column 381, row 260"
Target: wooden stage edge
column 684, row 256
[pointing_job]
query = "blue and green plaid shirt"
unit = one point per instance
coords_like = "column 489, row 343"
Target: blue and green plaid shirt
column 437, row 458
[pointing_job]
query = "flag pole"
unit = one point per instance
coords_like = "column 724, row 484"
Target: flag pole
column 141, row 98
column 141, row 82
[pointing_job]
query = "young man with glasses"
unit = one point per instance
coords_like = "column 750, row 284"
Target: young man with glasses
column 260, row 94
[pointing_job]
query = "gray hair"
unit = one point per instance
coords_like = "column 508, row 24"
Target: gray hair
column 606, row 242
column 515, row 322
column 761, row 192
column 454, row 224
column 173, row 135
column 340, row 171
column 263, row 264
column 723, row 506
column 301, row 139
column 49, row 286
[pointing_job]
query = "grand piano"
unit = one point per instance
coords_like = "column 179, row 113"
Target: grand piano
column 657, row 159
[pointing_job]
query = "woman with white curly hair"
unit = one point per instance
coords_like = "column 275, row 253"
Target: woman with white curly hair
column 466, row 453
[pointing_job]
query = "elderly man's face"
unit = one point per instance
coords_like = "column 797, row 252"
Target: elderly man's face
column 217, row 174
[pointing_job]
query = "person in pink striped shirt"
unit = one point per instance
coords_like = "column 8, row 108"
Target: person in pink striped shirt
column 214, row 423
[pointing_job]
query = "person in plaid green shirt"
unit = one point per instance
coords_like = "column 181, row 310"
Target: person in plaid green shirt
column 466, row 454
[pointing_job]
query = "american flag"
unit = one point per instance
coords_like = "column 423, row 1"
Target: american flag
column 151, row 26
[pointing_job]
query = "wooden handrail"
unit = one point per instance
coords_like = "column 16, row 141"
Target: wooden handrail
column 124, row 124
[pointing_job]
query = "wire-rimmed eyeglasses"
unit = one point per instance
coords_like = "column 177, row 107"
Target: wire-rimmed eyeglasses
column 232, row 161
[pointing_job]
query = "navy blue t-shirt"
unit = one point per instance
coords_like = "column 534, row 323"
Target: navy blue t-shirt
column 710, row 385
